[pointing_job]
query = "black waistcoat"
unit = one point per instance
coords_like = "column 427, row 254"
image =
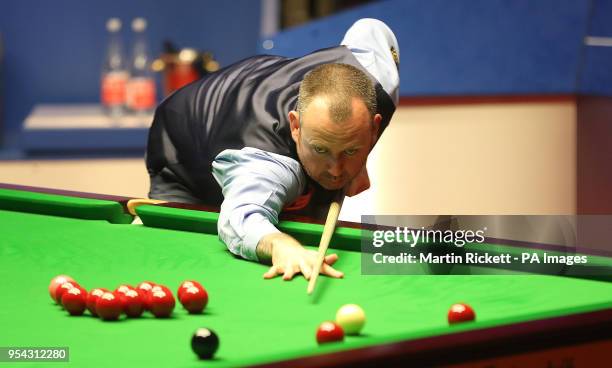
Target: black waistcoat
column 243, row 105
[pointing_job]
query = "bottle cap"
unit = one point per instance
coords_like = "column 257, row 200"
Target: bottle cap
column 187, row 55
column 139, row 24
column 113, row 25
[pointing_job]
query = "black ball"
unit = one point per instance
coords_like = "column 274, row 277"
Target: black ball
column 204, row 343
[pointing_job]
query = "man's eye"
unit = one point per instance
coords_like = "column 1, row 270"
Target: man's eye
column 318, row 149
column 350, row 152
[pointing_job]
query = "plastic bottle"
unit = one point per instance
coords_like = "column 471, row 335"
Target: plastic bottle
column 114, row 72
column 141, row 94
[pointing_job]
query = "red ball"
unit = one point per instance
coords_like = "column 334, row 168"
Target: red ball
column 108, row 307
column 120, row 298
column 187, row 284
column 61, row 289
column 158, row 287
column 194, row 299
column 75, row 301
column 55, row 282
column 460, row 313
column 132, row 304
column 161, row 302
column 144, row 288
column 123, row 288
column 145, row 285
column 329, row 332
column 120, row 293
column 92, row 298
column 83, row 291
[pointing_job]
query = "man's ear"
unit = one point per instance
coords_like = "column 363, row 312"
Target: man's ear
column 294, row 124
column 375, row 128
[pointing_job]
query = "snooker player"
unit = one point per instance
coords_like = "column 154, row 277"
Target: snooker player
column 270, row 133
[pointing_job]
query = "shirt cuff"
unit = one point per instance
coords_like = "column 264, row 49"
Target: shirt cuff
column 255, row 227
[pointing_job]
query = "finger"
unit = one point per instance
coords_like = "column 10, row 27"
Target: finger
column 330, row 271
column 331, row 259
column 271, row 273
column 306, row 269
column 289, row 273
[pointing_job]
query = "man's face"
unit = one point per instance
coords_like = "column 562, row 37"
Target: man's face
column 333, row 153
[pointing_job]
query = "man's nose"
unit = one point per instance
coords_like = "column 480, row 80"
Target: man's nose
column 336, row 167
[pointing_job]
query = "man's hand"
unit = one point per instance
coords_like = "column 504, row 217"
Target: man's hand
column 289, row 257
column 359, row 183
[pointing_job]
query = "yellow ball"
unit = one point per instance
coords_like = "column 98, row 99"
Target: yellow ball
column 351, row 318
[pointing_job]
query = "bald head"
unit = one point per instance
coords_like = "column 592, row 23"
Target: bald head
column 338, row 85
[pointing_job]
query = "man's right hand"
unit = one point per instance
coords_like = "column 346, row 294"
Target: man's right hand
column 289, row 257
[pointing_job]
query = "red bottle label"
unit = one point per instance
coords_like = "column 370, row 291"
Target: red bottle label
column 141, row 94
column 113, row 88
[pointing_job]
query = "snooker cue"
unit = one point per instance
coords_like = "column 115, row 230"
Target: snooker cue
column 133, row 203
column 328, row 231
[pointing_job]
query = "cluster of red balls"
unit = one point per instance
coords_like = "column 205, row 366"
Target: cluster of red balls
column 133, row 301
